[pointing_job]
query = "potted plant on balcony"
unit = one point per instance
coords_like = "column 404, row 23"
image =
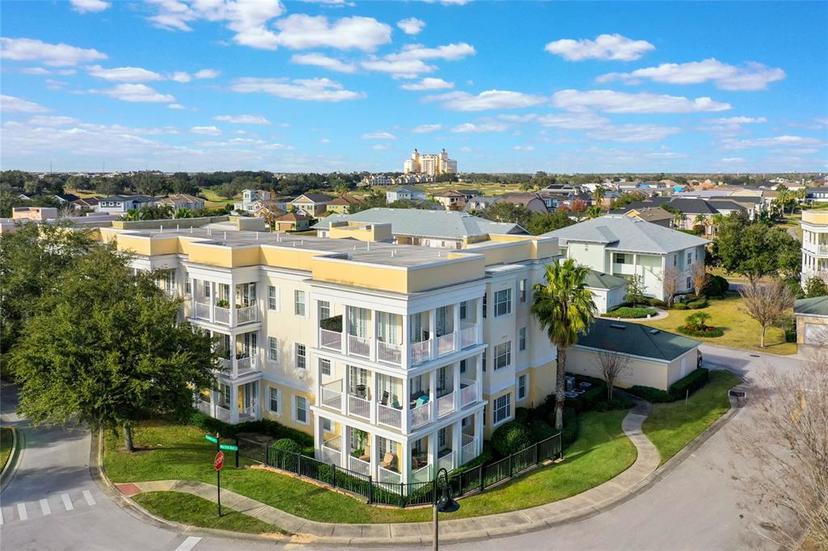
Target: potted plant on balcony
column 222, row 303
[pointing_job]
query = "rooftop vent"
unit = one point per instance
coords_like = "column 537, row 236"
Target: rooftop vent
column 654, row 331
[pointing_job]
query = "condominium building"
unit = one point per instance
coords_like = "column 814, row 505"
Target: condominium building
column 814, row 245
column 399, row 359
column 431, row 164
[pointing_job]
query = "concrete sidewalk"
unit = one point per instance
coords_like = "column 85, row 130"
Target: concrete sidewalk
column 515, row 522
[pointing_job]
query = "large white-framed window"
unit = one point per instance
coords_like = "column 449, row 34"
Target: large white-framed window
column 274, row 399
column 502, row 408
column 224, row 395
column 503, row 303
column 324, row 309
column 502, row 355
column 301, row 410
column 522, row 339
column 523, row 290
column 521, row 393
column 324, row 366
column 299, row 302
column 273, row 349
column 272, row 298
column 301, row 357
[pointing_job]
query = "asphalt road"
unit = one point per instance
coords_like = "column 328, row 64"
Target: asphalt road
column 52, row 502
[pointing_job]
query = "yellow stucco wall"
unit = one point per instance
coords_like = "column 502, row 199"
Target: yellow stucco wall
column 286, row 414
column 815, row 216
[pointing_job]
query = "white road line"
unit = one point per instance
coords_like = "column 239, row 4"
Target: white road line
column 67, row 503
column 22, row 513
column 87, row 495
column 44, row 507
column 1, row 517
column 188, row 544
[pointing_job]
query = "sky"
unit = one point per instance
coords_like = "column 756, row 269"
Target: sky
column 317, row 86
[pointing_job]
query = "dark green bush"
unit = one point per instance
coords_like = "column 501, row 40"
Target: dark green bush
column 485, row 457
column 650, row 394
column 691, row 383
column 263, row 426
column 715, row 286
column 707, row 332
column 510, row 437
column 697, row 304
column 540, row 430
column 631, row 313
column 679, row 306
column 570, row 426
column 658, row 303
column 283, row 454
column 522, row 415
column 790, row 335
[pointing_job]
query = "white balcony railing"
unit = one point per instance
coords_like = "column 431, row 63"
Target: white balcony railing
column 221, row 315
column 468, row 393
column 446, row 461
column 469, row 447
column 420, row 415
column 358, row 465
column 445, row 344
column 226, row 364
column 330, row 339
column 359, row 346
column 468, row 336
column 445, row 404
column 389, row 416
column 420, row 351
column 248, row 414
column 222, row 414
column 201, row 310
column 389, row 353
column 245, row 364
column 204, row 407
column 331, row 455
column 423, row 474
column 359, row 406
column 246, row 314
column 386, row 475
column 332, row 397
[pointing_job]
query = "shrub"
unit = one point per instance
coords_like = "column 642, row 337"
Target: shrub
column 691, row 383
column 790, row 335
column 679, row 306
column 570, row 426
column 709, row 332
column 510, row 437
column 697, row 304
column 658, row 303
column 522, row 415
column 540, row 430
column 283, row 454
column 264, row 426
column 715, row 286
column 650, row 394
column 632, row 313
column 485, row 457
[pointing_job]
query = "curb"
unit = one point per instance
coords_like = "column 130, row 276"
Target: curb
column 10, row 467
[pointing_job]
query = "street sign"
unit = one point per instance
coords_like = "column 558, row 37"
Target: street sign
column 229, row 447
column 211, row 438
column 219, row 462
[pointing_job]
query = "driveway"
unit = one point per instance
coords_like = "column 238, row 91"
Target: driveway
column 698, row 505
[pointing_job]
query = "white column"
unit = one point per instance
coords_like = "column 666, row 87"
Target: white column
column 317, row 437
column 478, row 432
column 478, row 375
column 343, row 446
column 456, row 375
column 406, row 402
column 455, row 310
column 212, row 301
column 214, row 403
column 232, row 304
column 432, row 393
column 406, row 342
column 374, row 400
column 405, row 459
column 234, row 401
column 432, row 333
column 373, row 457
column 345, row 387
column 457, row 443
column 480, row 320
column 432, row 453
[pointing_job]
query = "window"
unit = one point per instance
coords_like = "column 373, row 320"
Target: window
column 324, row 366
column 326, row 425
column 484, row 360
column 485, row 304
column 620, row 258
column 188, row 286
column 272, row 349
column 689, row 283
column 272, row 298
column 521, row 387
column 301, row 409
column 300, row 356
column 274, row 400
column 689, row 258
column 324, row 309
column 463, row 312
column 462, row 366
column 441, row 438
column 503, row 355
column 675, row 260
column 523, row 290
column 503, row 302
column 502, row 406
column 299, row 303
column 522, row 340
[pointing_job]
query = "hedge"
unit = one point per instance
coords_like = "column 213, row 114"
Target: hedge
column 650, row 394
column 709, row 332
column 631, row 313
column 510, row 438
column 679, row 306
column 677, row 391
column 263, row 426
column 715, row 286
column 697, row 304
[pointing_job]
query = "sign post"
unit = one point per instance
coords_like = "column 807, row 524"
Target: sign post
column 219, row 464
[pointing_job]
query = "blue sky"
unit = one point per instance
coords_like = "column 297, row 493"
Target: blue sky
column 337, row 85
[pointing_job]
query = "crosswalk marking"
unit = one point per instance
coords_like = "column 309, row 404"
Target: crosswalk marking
column 44, row 507
column 67, row 503
column 87, row 495
column 21, row 511
column 188, row 544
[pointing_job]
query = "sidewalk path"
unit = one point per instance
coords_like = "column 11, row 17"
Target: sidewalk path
column 515, row 522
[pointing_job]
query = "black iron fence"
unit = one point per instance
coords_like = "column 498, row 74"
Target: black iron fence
column 463, row 481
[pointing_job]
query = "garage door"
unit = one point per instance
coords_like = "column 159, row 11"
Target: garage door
column 816, row 334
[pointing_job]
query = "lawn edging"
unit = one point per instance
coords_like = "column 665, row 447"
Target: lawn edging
column 11, row 462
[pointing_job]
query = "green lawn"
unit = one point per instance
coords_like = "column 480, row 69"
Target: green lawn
column 671, row 426
column 213, row 199
column 740, row 331
column 197, row 511
column 180, row 452
column 5, row 445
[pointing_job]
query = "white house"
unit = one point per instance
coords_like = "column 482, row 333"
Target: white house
column 121, row 204
column 249, row 199
column 622, row 246
column 404, row 194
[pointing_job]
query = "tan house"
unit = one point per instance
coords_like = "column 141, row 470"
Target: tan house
column 182, row 201
column 312, row 204
column 292, row 221
column 342, row 204
column 656, row 358
column 812, row 321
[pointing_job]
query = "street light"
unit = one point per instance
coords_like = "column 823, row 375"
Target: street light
column 445, row 504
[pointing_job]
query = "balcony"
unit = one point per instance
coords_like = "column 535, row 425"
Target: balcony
column 468, row 336
column 200, row 311
column 330, row 340
column 421, row 474
column 246, row 314
column 816, row 248
column 419, row 415
column 445, row 404
column 240, row 366
column 389, row 476
column 359, row 346
column 389, row 416
column 359, row 407
column 389, row 353
column 332, row 395
column 445, row 344
column 446, row 460
column 467, row 452
column 222, row 315
column 331, row 452
column 358, row 465
column 468, row 392
column 420, row 352
column 245, row 364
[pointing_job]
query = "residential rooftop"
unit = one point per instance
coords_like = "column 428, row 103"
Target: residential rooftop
column 636, row 339
column 816, row 306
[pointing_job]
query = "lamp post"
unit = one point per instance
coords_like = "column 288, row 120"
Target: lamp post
column 445, row 504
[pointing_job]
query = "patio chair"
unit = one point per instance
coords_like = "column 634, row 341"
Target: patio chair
column 389, row 461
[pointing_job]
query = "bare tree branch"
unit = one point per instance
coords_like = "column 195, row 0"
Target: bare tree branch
column 767, row 303
column 613, row 365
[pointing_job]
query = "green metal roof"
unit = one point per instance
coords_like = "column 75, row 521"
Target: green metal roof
column 636, row 339
column 816, row 306
column 599, row 280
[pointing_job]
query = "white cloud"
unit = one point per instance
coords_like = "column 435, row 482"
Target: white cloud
column 426, row 128
column 773, row 141
column 476, row 128
column 410, row 62
column 738, row 120
column 300, row 31
column 733, row 160
column 524, row 148
column 622, row 102
column 448, row 52
column 88, row 6
column 379, row 146
column 752, row 76
column 124, row 74
column 176, row 106
column 573, row 121
column 404, row 68
column 633, row 132
column 247, row 18
column 242, row 119
column 612, row 47
column 137, row 93
column 183, row 76
column 206, row 74
column 55, row 55
column 205, row 130
column 411, row 25
column 316, row 89
column 428, row 83
column 324, row 61
column 490, row 99
column 11, row 104
column 379, row 135
column 52, row 120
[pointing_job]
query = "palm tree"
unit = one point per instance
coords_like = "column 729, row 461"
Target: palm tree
column 598, row 196
column 564, row 308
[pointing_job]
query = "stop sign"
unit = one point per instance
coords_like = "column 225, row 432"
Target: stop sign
column 219, row 462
